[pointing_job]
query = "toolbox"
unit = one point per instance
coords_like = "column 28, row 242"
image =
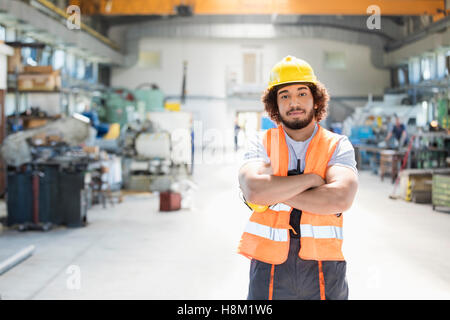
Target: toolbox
column 169, row 201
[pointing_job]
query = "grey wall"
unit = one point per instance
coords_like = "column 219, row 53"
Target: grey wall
column 210, row 62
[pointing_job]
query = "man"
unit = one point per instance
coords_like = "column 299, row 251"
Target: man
column 237, row 128
column 299, row 179
column 398, row 131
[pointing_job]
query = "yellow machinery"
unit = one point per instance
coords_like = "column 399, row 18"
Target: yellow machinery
column 436, row 8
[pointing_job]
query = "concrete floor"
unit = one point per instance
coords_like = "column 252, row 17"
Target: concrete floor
column 394, row 249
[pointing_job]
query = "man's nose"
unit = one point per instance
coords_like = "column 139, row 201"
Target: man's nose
column 294, row 102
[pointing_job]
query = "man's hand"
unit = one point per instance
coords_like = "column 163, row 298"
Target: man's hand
column 335, row 196
column 265, row 168
column 316, row 180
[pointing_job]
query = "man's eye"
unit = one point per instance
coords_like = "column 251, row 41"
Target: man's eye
column 302, row 94
column 284, row 97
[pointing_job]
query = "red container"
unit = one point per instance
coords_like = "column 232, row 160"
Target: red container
column 169, row 201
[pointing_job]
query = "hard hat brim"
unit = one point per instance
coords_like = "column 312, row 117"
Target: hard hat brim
column 279, row 85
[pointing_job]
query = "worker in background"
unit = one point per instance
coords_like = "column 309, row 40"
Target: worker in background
column 237, row 129
column 192, row 148
column 298, row 178
column 399, row 133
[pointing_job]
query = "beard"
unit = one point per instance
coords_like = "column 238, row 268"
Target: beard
column 298, row 123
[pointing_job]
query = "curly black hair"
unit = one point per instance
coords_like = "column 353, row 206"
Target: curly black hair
column 320, row 96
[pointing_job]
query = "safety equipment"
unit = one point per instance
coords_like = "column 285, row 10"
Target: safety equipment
column 253, row 206
column 290, row 70
column 257, row 207
column 266, row 236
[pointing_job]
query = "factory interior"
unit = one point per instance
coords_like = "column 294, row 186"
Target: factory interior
column 124, row 125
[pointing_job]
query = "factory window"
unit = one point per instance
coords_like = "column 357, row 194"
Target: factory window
column 414, row 70
column 252, row 61
column 427, row 66
column 70, row 65
column 91, row 73
column 441, row 65
column 402, row 73
column 426, row 72
column 58, row 59
column 447, row 64
column 249, row 67
column 80, row 68
column 149, row 59
column 104, row 74
column 394, row 80
column 2, row 33
column 46, row 57
column 399, row 76
column 88, row 73
column 335, row 60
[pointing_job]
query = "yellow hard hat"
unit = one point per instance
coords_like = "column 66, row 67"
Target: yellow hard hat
column 290, row 70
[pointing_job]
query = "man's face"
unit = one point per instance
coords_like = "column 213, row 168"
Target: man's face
column 296, row 106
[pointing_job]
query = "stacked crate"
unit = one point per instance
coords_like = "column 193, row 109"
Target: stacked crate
column 416, row 185
column 441, row 191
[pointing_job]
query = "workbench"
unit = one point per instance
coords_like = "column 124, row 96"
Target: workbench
column 382, row 160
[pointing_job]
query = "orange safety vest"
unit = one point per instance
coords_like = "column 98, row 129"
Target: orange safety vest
column 266, row 236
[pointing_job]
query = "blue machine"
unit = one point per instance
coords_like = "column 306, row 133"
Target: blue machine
column 361, row 134
column 267, row 123
column 102, row 128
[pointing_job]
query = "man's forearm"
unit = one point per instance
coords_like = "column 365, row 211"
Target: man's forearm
column 270, row 189
column 326, row 199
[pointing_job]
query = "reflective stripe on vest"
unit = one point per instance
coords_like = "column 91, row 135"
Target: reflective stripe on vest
column 266, row 231
column 321, row 232
column 280, row 207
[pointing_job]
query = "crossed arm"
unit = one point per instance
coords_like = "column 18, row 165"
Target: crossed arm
column 307, row 192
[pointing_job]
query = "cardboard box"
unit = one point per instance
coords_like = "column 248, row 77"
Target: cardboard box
column 91, row 149
column 34, row 123
column 39, row 139
column 38, row 69
column 40, row 82
column 15, row 61
column 169, row 201
column 53, row 138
